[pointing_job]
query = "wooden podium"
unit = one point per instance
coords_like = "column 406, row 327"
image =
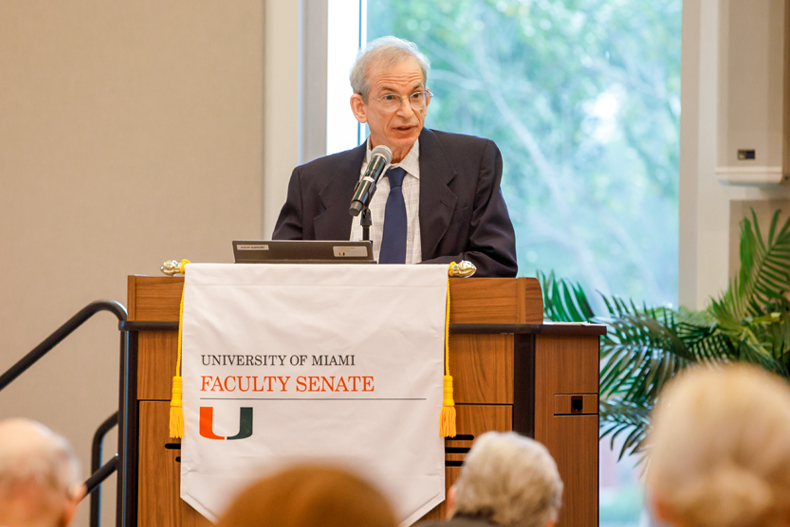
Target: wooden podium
column 511, row 371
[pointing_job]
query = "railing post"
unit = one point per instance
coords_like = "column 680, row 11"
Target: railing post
column 126, row 513
column 96, row 464
column 120, row 505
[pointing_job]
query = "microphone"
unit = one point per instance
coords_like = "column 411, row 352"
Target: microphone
column 380, row 157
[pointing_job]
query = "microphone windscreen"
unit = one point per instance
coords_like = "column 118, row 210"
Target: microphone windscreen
column 383, row 151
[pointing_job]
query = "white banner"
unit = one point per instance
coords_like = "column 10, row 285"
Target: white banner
column 331, row 363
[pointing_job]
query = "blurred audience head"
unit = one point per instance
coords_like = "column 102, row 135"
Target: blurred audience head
column 39, row 476
column 720, row 449
column 510, row 480
column 310, row 496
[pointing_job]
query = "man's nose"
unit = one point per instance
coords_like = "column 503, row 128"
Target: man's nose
column 405, row 108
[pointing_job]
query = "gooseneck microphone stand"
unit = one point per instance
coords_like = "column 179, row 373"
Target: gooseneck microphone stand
column 366, row 220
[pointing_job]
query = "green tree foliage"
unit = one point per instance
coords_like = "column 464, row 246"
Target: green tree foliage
column 583, row 99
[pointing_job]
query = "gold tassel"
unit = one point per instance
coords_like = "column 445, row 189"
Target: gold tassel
column 176, row 405
column 447, row 415
column 176, row 411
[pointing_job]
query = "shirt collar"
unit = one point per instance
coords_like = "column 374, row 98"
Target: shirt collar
column 410, row 163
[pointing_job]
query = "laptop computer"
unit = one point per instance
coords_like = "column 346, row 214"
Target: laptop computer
column 303, row 251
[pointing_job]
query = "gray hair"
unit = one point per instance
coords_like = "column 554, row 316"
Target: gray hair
column 30, row 453
column 387, row 51
column 720, row 448
column 510, row 480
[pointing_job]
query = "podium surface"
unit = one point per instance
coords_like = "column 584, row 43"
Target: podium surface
column 511, row 372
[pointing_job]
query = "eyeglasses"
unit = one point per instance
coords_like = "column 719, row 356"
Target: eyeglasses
column 417, row 100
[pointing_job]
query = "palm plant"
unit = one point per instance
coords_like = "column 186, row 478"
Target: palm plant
column 646, row 346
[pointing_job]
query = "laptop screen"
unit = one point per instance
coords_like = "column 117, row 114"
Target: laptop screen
column 303, row 251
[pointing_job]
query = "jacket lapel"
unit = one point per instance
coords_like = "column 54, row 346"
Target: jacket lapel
column 437, row 201
column 334, row 223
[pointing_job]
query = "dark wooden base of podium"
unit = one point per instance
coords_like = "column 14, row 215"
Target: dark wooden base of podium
column 511, row 373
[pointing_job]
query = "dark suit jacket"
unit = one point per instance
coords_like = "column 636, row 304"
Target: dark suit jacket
column 462, row 212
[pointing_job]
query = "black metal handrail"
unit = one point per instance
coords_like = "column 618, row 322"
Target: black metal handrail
column 96, row 456
column 61, row 333
column 93, row 482
column 117, row 463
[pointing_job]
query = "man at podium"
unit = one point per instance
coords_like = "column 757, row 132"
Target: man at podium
column 438, row 202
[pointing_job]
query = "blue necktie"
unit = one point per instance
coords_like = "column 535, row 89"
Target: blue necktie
column 393, row 240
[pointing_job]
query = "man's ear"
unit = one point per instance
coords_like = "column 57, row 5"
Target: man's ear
column 450, row 501
column 70, row 507
column 661, row 510
column 359, row 108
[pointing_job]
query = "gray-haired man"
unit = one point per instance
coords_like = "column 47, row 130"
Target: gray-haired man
column 440, row 202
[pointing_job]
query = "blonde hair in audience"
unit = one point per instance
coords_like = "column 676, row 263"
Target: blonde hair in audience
column 720, row 449
column 510, row 480
column 309, row 496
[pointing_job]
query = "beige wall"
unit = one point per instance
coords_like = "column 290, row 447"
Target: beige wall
column 281, row 106
column 764, row 211
column 130, row 133
column 704, row 251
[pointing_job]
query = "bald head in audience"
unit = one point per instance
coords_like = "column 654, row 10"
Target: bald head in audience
column 720, row 450
column 39, row 476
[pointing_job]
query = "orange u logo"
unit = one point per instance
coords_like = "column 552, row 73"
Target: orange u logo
column 207, row 423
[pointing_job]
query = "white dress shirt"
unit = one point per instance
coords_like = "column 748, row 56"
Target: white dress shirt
column 411, row 195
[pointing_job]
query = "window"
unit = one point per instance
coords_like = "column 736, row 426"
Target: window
column 345, row 35
column 583, row 99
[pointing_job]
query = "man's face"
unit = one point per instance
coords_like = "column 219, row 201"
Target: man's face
column 396, row 129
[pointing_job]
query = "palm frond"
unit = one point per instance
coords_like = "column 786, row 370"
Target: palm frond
column 564, row 301
column 642, row 351
column 646, row 346
column 764, row 275
column 618, row 417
